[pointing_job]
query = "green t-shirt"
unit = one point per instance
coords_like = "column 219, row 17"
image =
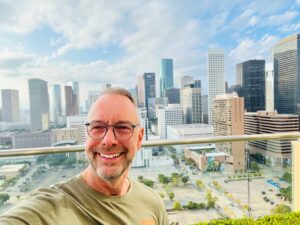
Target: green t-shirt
column 74, row 202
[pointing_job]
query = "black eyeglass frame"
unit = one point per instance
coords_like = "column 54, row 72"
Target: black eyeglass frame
column 113, row 128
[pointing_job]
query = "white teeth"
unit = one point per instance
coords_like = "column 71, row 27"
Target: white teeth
column 109, row 156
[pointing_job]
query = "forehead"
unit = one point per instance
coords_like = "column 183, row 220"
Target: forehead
column 113, row 108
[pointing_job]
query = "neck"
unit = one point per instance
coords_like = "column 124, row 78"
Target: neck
column 118, row 187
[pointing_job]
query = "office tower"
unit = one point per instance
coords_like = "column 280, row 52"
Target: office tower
column 68, row 100
column 269, row 77
column 216, row 84
column 71, row 100
column 150, row 94
column 39, row 104
column 253, row 84
column 92, row 97
column 55, row 103
column 287, row 75
column 166, row 75
column 226, row 87
column 10, row 105
column 173, row 95
column 146, row 92
column 190, row 100
column 204, row 108
column 197, row 83
column 141, row 91
column 277, row 151
column 75, row 87
column 229, row 120
column 170, row 115
column 239, row 74
column 186, row 80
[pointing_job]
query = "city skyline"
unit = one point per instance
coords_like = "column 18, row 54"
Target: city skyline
column 117, row 42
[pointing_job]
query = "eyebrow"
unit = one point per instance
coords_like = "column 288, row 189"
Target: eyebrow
column 118, row 122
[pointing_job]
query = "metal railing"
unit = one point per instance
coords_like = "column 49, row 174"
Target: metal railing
column 151, row 143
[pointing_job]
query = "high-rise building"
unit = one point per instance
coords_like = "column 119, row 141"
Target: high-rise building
column 71, row 101
column 239, row 74
column 216, row 83
column 166, row 75
column 147, row 92
column 229, row 120
column 39, row 104
column 287, row 75
column 190, row 100
column 170, row 115
column 10, row 105
column 55, row 103
column 75, row 88
column 186, row 80
column 204, row 108
column 277, row 151
column 197, row 83
column 150, row 94
column 269, row 77
column 173, row 95
column 141, row 91
column 253, row 84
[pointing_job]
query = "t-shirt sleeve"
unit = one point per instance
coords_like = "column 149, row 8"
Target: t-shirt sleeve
column 39, row 209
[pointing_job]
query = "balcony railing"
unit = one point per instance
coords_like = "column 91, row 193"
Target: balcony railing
column 190, row 141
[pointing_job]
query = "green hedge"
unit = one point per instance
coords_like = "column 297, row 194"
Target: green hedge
column 284, row 219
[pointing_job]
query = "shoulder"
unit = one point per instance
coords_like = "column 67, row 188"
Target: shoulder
column 145, row 191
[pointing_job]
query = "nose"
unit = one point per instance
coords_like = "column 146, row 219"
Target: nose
column 109, row 139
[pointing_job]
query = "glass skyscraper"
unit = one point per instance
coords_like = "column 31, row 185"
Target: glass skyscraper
column 166, row 75
column 39, row 104
column 253, row 84
column 287, row 75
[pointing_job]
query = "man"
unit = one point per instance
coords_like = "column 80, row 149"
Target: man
column 103, row 193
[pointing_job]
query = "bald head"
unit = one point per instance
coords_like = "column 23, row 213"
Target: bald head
column 115, row 91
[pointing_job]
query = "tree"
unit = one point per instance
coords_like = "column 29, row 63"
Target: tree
column 176, row 205
column 140, row 177
column 175, row 181
column 254, row 166
column 162, row 195
column 185, row 179
column 147, row 182
column 280, row 209
column 210, row 200
column 3, row 198
column 287, row 177
column 163, row 179
column 171, row 195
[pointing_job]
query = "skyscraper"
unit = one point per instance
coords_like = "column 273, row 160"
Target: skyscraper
column 39, row 104
column 190, row 100
column 216, row 84
column 147, row 92
column 71, row 100
column 287, row 75
column 253, row 84
column 10, row 105
column 75, row 87
column 186, row 80
column 269, row 76
column 166, row 75
column 173, row 95
column 229, row 120
column 55, row 103
column 150, row 93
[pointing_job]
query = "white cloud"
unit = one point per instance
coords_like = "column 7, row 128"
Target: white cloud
column 252, row 49
column 282, row 19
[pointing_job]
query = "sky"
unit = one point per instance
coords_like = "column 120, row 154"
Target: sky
column 97, row 42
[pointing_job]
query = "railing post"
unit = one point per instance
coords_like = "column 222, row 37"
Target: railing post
column 296, row 175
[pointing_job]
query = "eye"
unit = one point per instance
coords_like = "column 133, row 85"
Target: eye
column 123, row 127
column 98, row 127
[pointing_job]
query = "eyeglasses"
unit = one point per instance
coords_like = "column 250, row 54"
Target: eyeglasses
column 122, row 131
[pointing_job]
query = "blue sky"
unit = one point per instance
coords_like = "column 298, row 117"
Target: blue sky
column 96, row 42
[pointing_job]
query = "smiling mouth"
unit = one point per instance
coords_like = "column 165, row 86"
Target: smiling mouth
column 108, row 156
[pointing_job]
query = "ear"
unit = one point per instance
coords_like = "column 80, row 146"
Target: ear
column 140, row 138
